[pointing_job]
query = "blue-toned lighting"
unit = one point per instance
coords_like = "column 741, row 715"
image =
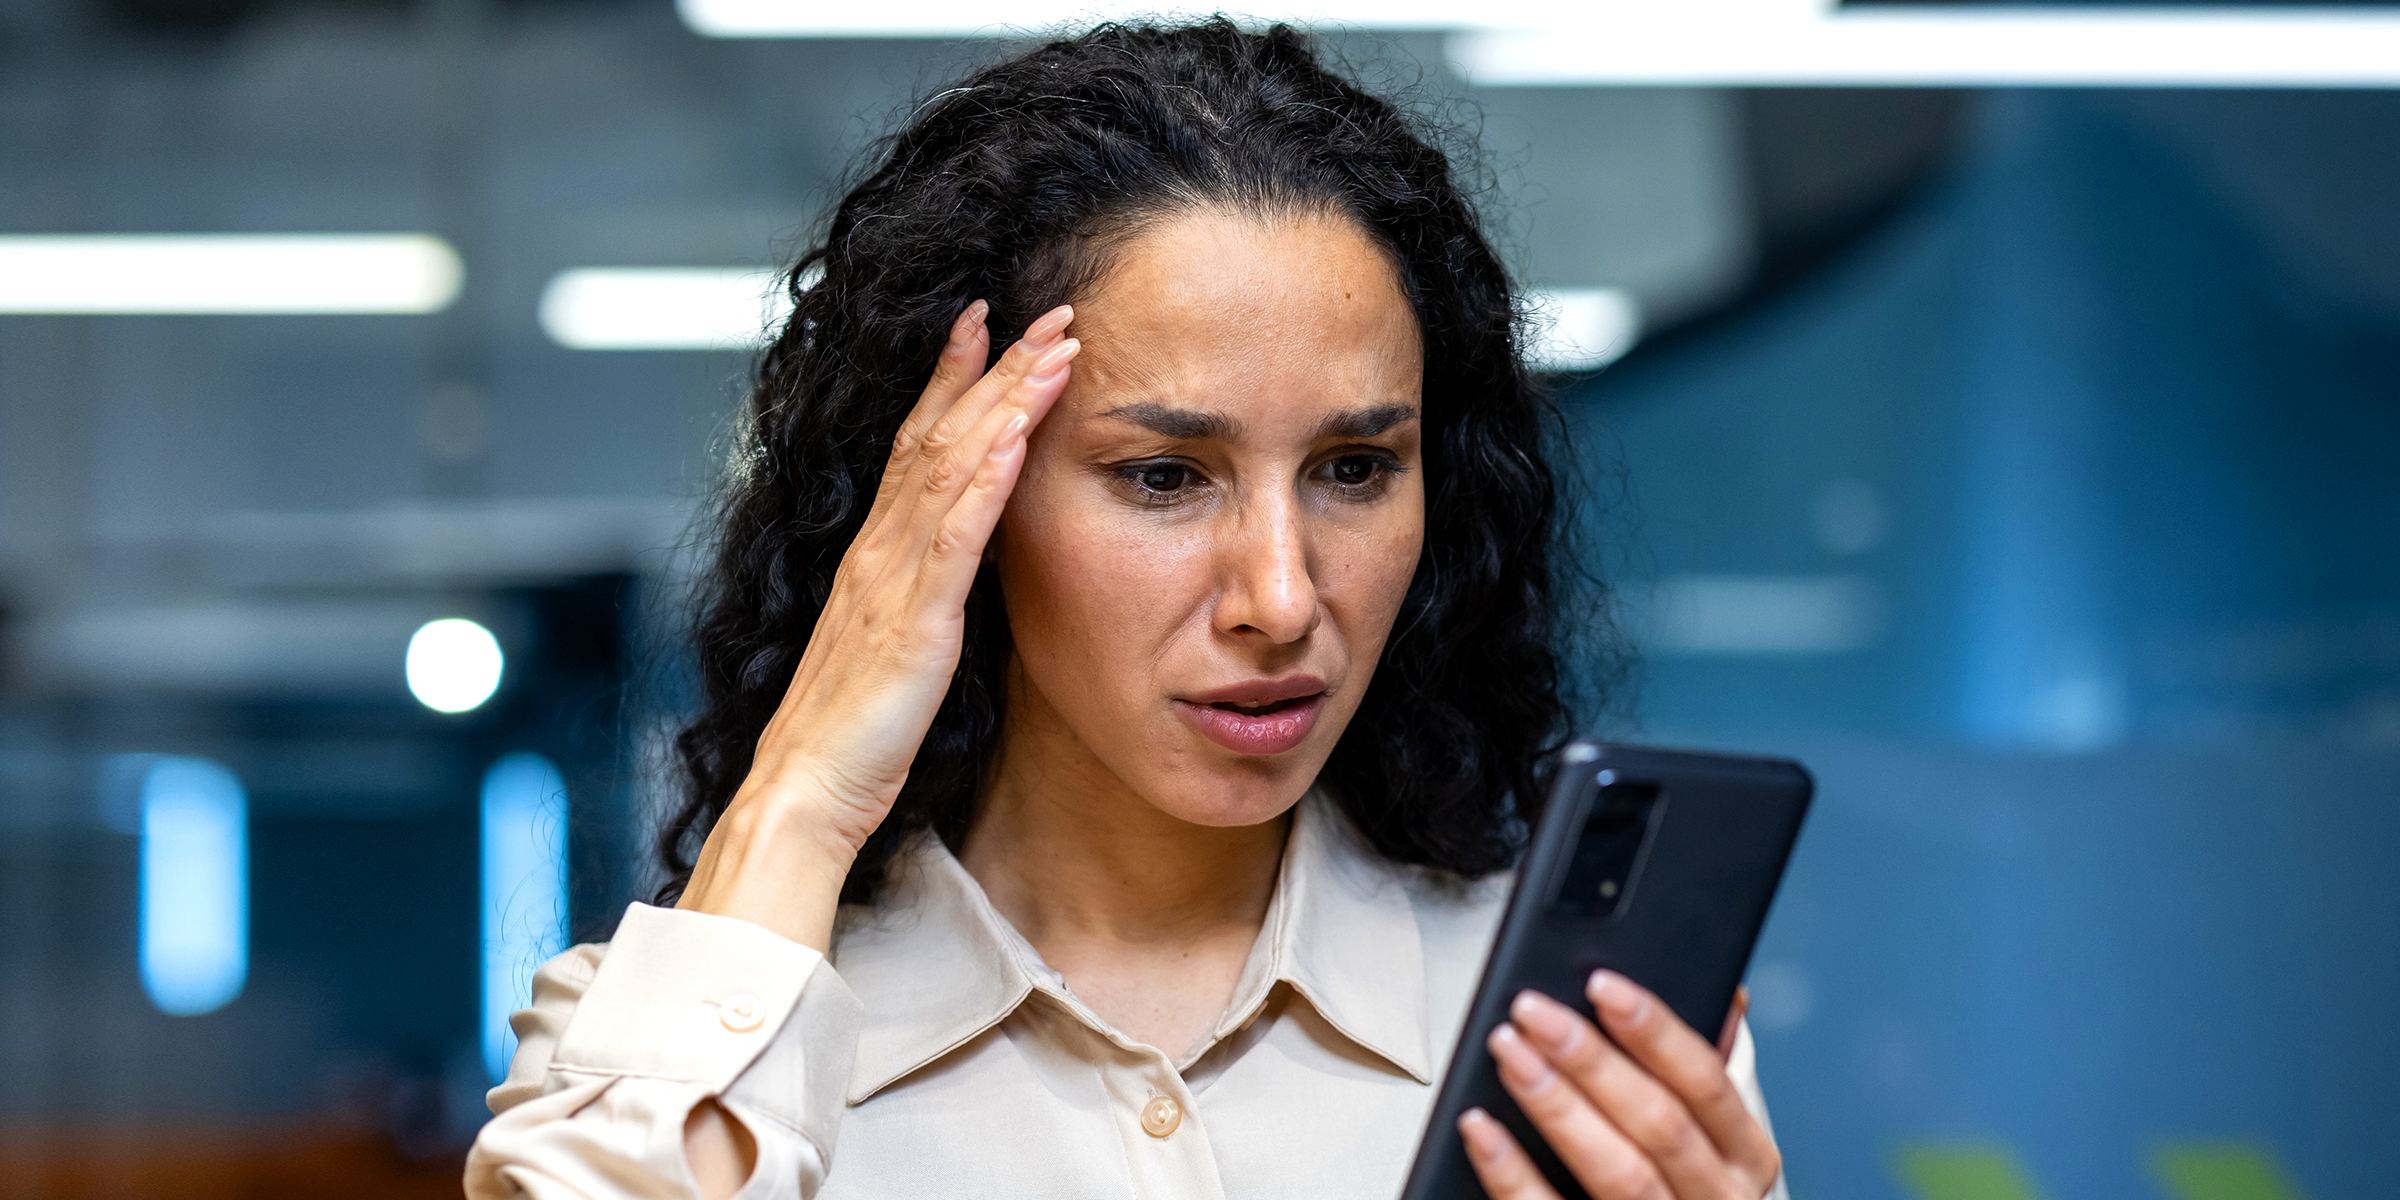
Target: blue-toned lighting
column 524, row 890
column 453, row 665
column 195, row 919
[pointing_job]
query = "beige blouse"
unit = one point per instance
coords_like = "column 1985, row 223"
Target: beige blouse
column 949, row 1061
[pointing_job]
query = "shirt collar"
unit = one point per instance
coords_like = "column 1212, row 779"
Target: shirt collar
column 1342, row 932
column 935, row 965
column 931, row 961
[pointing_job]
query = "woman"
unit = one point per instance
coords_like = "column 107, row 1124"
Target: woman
column 1111, row 741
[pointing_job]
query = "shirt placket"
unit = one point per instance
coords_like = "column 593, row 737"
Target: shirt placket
column 1166, row 1147
column 1167, row 1153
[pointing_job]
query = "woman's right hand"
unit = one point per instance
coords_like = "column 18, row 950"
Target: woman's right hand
column 832, row 759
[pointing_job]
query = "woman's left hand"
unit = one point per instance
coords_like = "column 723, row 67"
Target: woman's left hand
column 1646, row 1113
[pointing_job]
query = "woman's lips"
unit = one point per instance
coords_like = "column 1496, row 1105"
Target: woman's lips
column 1270, row 732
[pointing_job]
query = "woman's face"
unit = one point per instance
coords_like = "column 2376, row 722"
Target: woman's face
column 1216, row 524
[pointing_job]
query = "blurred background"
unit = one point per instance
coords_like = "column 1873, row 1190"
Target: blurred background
column 1997, row 408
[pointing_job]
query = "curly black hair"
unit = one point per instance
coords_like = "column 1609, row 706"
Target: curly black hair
column 1014, row 186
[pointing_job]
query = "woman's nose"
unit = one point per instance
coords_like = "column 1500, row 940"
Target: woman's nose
column 1268, row 587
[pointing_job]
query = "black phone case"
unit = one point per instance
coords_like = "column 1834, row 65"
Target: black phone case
column 1718, row 834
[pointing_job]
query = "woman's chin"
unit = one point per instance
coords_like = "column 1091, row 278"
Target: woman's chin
column 1235, row 794
column 1232, row 814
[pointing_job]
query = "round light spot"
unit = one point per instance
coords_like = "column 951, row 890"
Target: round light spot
column 453, row 665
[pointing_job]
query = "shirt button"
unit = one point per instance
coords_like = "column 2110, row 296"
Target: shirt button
column 1161, row 1116
column 741, row 1012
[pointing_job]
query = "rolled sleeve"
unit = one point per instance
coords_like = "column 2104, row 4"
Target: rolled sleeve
column 623, row 1040
column 686, row 996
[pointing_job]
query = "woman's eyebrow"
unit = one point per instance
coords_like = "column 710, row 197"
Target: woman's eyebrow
column 1183, row 424
column 1365, row 422
column 1188, row 424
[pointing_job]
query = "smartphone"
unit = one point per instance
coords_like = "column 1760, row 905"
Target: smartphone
column 1657, row 864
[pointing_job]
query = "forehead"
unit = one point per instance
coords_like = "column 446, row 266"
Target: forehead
column 1249, row 316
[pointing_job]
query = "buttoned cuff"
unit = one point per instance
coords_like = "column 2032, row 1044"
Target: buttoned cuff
column 698, row 998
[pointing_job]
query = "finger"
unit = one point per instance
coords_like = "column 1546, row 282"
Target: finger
column 947, row 472
column 1600, row 1157
column 964, row 356
column 960, row 365
column 1627, row 1097
column 935, row 452
column 928, row 548
column 1733, row 1022
column 1506, row 1171
column 962, row 362
column 956, row 551
column 988, row 392
column 1678, row 1057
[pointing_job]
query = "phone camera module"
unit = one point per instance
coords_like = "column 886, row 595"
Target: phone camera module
column 1600, row 877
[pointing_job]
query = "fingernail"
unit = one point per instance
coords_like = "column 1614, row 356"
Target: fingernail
column 1545, row 1019
column 968, row 322
column 1014, row 431
column 1616, row 996
column 1475, row 1126
column 1050, row 324
column 1053, row 361
column 1519, row 1062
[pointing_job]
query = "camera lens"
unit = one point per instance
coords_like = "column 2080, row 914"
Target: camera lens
column 1600, row 874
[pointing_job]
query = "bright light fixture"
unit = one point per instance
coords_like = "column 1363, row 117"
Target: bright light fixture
column 195, row 886
column 1017, row 18
column 1582, row 329
column 228, row 273
column 524, row 891
column 453, row 665
column 1728, row 42
column 1752, row 43
column 710, row 308
column 662, row 308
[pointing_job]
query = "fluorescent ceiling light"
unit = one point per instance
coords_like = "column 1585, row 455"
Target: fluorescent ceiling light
column 661, row 308
column 223, row 273
column 1581, row 329
column 1018, row 18
column 707, row 308
column 1728, row 42
column 1739, row 43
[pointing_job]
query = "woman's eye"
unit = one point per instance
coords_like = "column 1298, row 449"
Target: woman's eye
column 1163, row 477
column 1158, row 482
column 1355, row 472
column 1360, row 476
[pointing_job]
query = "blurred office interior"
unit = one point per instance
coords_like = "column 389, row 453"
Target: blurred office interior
column 2024, row 458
